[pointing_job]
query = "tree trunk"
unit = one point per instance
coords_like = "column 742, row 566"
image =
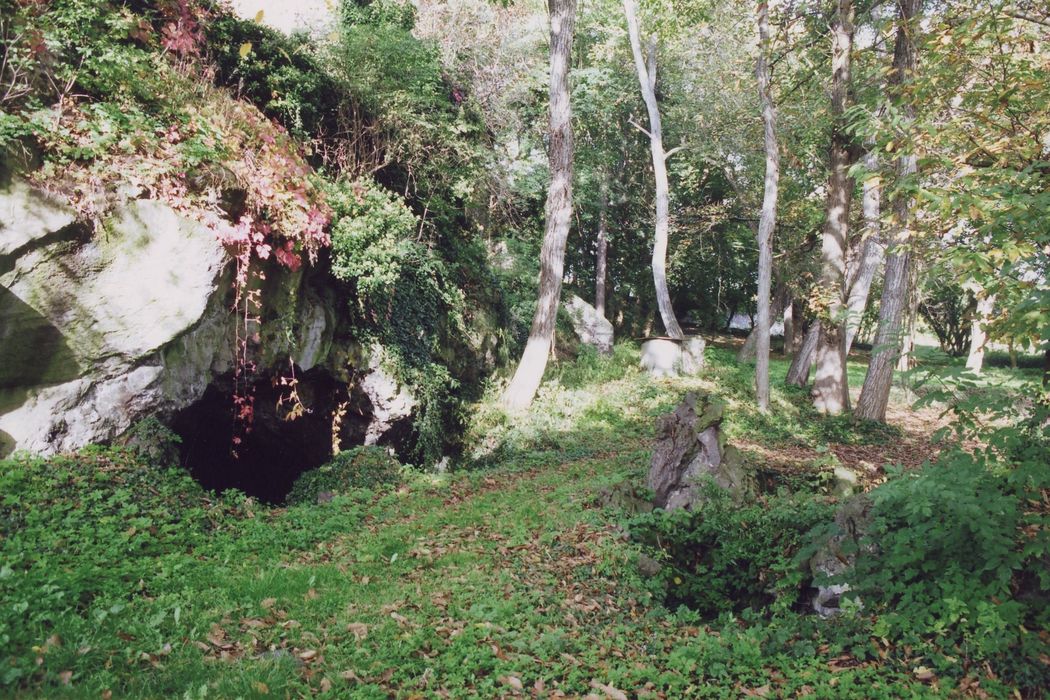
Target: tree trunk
column 798, row 372
column 875, row 394
column 527, row 378
column 872, row 253
column 603, row 250
column 767, row 220
column 789, row 325
column 647, row 80
column 979, row 332
column 904, row 362
column 830, row 390
column 781, row 301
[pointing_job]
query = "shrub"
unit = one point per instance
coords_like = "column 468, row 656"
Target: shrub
column 725, row 556
column 357, row 468
column 952, row 556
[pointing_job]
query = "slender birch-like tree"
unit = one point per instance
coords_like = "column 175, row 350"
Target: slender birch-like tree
column 767, row 220
column 530, row 370
column 646, row 67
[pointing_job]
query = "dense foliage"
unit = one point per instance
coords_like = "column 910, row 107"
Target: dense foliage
column 357, row 468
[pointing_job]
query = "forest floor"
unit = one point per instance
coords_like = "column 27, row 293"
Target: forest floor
column 507, row 580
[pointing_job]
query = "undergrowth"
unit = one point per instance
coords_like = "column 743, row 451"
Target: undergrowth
column 121, row 578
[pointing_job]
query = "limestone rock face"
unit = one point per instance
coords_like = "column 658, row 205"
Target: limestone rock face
column 591, row 327
column 27, row 215
column 99, row 329
column 392, row 404
column 690, row 450
column 665, row 357
column 86, row 316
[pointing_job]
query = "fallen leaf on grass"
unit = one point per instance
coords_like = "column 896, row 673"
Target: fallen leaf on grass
column 261, row 688
column 66, row 677
column 513, row 682
column 610, row 692
column 268, row 603
column 924, row 674
column 358, row 629
column 307, row 655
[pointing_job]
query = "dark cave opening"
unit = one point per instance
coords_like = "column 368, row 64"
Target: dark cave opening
column 277, row 448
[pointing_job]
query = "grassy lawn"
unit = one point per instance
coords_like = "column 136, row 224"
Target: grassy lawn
column 507, row 579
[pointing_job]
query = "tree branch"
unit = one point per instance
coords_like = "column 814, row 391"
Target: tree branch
column 638, row 126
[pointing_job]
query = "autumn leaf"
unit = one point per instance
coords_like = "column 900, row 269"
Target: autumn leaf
column 512, row 681
column 610, row 691
column 246, row 48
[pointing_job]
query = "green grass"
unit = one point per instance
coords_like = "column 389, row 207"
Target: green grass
column 463, row 585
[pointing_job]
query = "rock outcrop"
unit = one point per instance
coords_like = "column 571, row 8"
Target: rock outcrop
column 591, row 327
column 690, row 450
column 99, row 329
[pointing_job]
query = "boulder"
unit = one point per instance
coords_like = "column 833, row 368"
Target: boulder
column 670, row 357
column 591, row 327
column 690, row 451
column 86, row 319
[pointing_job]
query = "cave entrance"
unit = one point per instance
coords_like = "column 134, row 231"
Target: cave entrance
column 272, row 455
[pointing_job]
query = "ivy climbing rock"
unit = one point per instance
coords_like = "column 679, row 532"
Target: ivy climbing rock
column 100, row 329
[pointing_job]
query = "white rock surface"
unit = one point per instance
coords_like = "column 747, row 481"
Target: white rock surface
column 391, row 402
column 591, row 327
column 663, row 357
column 27, row 214
column 85, row 320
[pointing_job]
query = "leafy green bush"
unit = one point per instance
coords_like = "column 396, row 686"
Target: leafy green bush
column 357, row 468
column 283, row 76
column 953, row 557
column 725, row 556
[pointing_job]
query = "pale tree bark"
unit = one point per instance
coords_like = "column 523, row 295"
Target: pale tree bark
column 979, row 332
column 872, row 253
column 875, row 394
column 647, row 80
column 911, row 314
column 802, row 360
column 527, row 378
column 601, row 271
column 789, row 325
column 830, row 390
column 767, row 220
